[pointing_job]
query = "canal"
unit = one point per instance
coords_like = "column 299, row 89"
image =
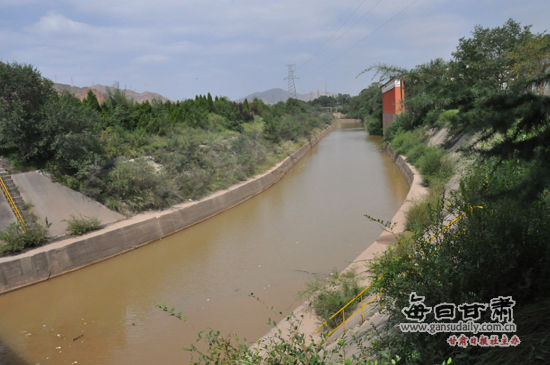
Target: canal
column 308, row 224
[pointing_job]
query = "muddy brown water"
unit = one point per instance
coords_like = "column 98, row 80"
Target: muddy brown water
column 311, row 222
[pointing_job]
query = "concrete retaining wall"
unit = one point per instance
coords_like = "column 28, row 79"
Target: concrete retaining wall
column 64, row 256
column 404, row 167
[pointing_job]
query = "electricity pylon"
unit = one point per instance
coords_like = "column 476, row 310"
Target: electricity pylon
column 291, row 84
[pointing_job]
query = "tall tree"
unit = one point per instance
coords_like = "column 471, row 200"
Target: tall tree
column 483, row 64
column 23, row 94
column 91, row 101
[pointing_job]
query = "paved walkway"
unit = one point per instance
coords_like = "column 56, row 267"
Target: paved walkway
column 6, row 215
column 55, row 203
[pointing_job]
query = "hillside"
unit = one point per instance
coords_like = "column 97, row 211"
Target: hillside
column 101, row 92
column 273, row 96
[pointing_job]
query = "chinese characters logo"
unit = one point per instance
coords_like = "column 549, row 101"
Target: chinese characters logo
column 468, row 315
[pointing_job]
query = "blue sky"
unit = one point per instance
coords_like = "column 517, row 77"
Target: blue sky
column 181, row 48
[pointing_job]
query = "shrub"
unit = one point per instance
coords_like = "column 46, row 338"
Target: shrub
column 432, row 161
column 435, row 165
column 81, row 225
column 230, row 349
column 292, row 348
column 405, row 141
column 501, row 249
column 250, row 153
column 374, row 125
column 328, row 296
column 446, row 118
column 137, row 187
column 418, row 216
column 415, row 151
column 17, row 238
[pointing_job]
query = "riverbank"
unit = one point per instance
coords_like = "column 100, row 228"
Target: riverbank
column 303, row 315
column 71, row 254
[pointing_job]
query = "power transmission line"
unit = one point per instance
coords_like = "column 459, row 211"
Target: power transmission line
column 338, row 36
column 403, row 9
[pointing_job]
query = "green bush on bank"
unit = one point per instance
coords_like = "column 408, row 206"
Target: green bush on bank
column 18, row 238
column 485, row 255
column 368, row 107
column 327, row 296
column 420, row 214
column 432, row 161
column 135, row 185
column 81, row 225
column 373, row 125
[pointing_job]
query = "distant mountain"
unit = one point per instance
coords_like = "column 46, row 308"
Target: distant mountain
column 273, row 96
column 101, row 92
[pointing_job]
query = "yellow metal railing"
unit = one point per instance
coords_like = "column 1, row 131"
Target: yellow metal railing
column 362, row 293
column 12, row 204
column 471, row 209
column 342, row 310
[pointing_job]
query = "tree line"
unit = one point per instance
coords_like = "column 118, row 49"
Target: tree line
column 136, row 156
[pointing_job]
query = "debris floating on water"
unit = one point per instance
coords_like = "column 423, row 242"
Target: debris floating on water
column 78, row 337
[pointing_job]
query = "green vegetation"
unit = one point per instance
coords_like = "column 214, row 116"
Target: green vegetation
column 367, row 106
column 331, row 101
column 81, row 225
column 139, row 156
column 171, row 312
column 432, row 161
column 488, row 90
column 143, row 156
column 17, row 238
column 327, row 296
column 213, row 347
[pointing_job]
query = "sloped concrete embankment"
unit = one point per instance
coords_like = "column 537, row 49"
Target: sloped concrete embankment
column 55, row 204
column 71, row 254
column 303, row 316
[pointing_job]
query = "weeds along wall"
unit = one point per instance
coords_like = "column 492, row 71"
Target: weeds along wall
column 404, row 167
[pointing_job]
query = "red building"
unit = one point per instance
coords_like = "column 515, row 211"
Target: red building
column 393, row 102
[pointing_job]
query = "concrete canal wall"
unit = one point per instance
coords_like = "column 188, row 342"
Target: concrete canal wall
column 64, row 256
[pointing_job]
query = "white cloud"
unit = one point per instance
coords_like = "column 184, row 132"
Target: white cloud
column 54, row 23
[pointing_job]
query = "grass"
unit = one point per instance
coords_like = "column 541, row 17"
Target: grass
column 17, row 238
column 433, row 162
column 81, row 225
column 419, row 215
column 329, row 295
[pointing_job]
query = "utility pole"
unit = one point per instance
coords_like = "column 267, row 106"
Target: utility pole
column 291, row 84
